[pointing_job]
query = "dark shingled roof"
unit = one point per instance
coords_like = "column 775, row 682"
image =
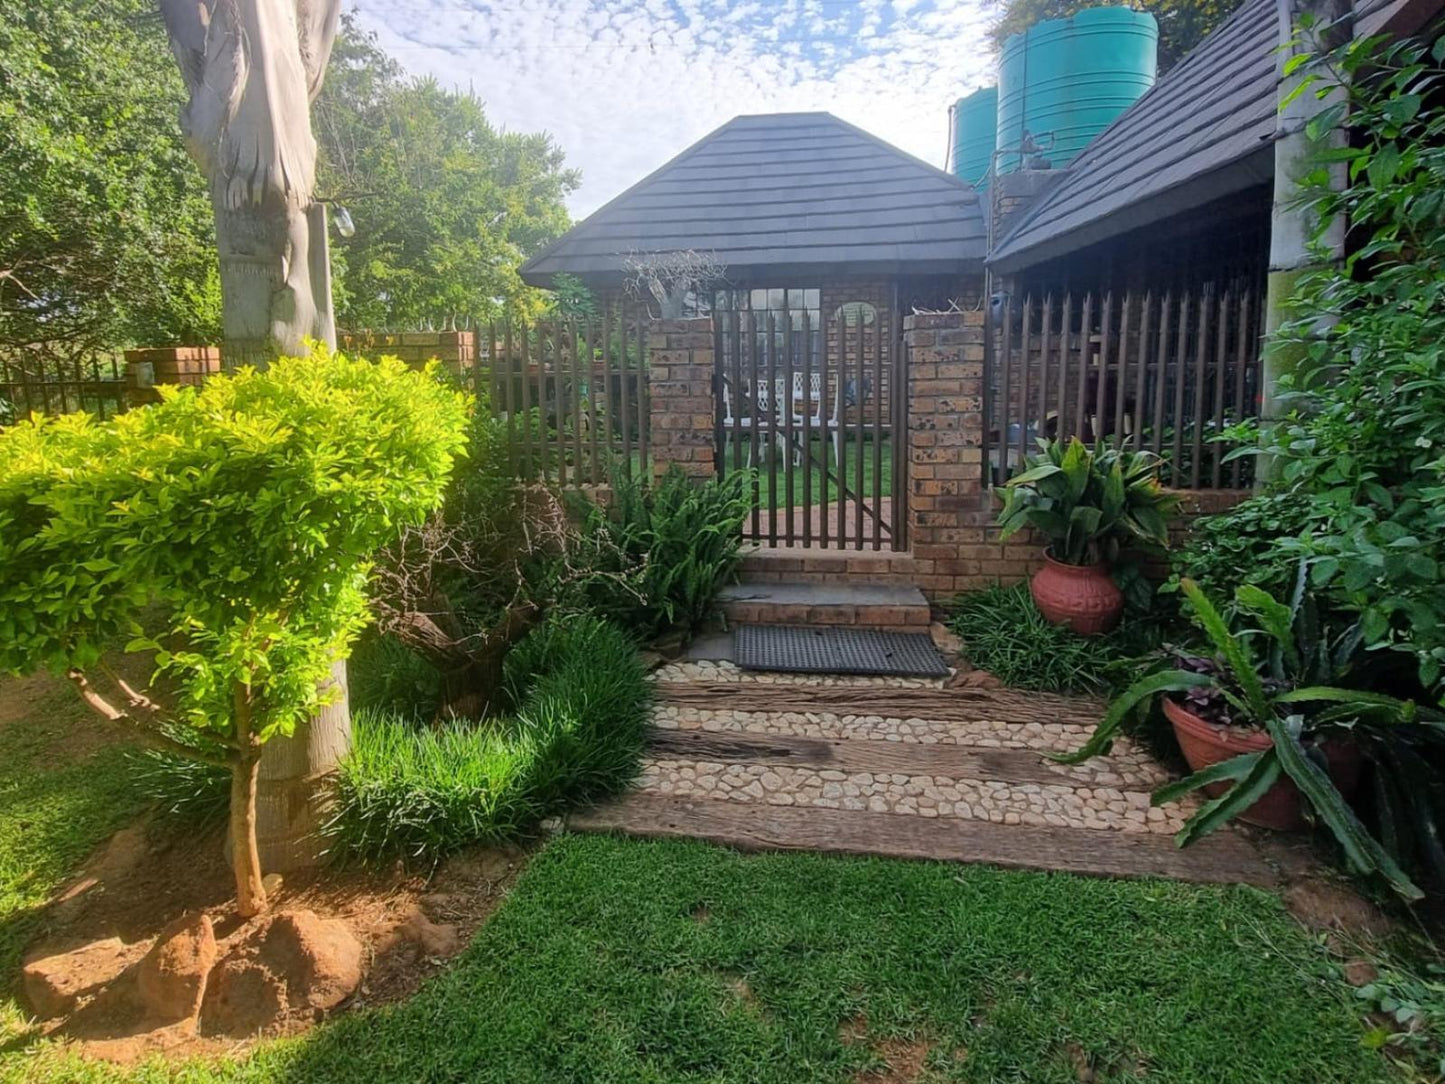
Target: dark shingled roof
column 783, row 193
column 1204, row 131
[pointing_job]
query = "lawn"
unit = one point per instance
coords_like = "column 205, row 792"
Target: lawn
column 617, row 960
column 63, row 789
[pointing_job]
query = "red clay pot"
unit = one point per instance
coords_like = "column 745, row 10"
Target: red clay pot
column 1204, row 744
column 1084, row 597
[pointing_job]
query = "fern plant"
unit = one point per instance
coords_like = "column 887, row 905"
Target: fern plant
column 1263, row 676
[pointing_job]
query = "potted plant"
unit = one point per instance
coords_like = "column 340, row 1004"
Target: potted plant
column 1086, row 505
column 1267, row 728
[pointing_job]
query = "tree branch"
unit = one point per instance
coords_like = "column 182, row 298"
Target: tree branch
column 147, row 736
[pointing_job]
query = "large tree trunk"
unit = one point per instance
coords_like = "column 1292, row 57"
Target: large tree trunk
column 252, row 69
column 1291, row 225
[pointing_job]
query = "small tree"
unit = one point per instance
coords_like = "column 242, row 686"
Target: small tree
column 670, row 277
column 227, row 531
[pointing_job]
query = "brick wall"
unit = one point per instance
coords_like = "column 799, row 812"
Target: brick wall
column 457, row 350
column 680, row 396
column 184, row 365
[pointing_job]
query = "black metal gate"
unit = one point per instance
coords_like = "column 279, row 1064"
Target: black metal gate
column 812, row 400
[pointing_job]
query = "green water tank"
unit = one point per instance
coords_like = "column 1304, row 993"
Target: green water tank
column 975, row 127
column 1063, row 81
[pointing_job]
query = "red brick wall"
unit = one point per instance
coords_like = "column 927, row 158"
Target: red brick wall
column 681, row 409
column 148, row 368
column 457, row 350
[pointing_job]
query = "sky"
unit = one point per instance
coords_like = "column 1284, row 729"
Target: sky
column 623, row 85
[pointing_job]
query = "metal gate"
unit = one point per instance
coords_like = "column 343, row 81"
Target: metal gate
column 812, row 400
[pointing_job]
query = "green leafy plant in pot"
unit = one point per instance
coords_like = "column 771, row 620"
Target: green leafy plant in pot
column 1087, row 505
column 1268, row 727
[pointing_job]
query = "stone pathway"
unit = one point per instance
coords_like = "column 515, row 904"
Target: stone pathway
column 780, row 760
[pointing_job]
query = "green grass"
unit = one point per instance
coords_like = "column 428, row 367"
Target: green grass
column 57, row 802
column 575, row 704
column 1004, row 633
column 780, row 468
column 623, row 961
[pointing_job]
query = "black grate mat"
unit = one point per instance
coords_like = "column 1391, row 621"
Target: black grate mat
column 825, row 650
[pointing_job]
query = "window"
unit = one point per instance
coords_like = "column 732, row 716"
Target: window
column 777, row 308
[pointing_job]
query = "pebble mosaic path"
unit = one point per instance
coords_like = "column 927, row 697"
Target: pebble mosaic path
column 1109, row 794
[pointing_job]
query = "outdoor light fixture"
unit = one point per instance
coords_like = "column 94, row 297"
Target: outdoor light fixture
column 344, row 225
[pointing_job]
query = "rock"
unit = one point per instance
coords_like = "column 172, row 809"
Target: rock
column 1360, row 972
column 974, row 679
column 54, row 985
column 242, row 998
column 949, row 644
column 271, row 884
column 171, row 979
column 293, row 962
column 126, row 849
column 433, row 938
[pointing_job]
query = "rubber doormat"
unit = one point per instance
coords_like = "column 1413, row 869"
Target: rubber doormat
column 826, row 650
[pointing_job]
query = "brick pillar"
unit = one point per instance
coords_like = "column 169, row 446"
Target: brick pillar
column 146, row 369
column 681, row 405
column 945, row 441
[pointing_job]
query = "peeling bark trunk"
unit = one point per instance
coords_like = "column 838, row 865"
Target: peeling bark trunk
column 471, row 666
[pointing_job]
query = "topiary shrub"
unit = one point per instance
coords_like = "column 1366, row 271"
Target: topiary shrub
column 239, row 518
column 576, row 701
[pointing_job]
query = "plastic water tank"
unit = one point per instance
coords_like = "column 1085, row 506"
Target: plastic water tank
column 975, row 126
column 1063, row 81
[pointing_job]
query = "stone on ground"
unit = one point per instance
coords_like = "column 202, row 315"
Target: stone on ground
column 171, row 979
column 54, row 985
column 291, row 963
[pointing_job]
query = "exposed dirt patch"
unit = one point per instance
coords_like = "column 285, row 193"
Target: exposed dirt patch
column 854, row 1030
column 1333, row 907
column 151, row 877
column 70, row 733
column 904, row 1060
column 1084, row 1071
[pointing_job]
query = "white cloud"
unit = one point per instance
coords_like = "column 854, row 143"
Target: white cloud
column 624, row 85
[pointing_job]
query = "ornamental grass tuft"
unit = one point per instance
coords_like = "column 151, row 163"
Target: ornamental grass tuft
column 576, row 703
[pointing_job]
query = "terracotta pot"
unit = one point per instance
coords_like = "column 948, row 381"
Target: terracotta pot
column 1084, row 597
column 1204, row 744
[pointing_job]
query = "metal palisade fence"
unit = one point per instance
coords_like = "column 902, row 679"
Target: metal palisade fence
column 1166, row 372
column 573, row 393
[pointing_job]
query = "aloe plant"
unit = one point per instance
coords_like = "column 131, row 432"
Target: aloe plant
column 1281, row 677
column 1087, row 504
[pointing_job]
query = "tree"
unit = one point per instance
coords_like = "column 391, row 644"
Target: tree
column 1183, row 24
column 105, row 229
column 252, row 69
column 446, row 207
column 226, row 531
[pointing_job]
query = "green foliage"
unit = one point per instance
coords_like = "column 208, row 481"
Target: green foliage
column 1412, row 997
column 386, row 677
column 1362, row 447
column 1243, row 543
column 1259, row 672
column 657, row 556
column 1004, row 633
column 185, row 789
column 1183, row 24
column 579, row 702
column 245, row 511
column 1089, row 503
column 105, row 226
column 446, row 206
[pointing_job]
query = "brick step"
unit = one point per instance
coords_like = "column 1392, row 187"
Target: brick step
column 879, row 606
column 781, row 564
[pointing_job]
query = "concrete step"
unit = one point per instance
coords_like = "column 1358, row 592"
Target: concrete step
column 877, row 606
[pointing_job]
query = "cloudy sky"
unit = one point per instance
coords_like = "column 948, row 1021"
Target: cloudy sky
column 624, row 85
